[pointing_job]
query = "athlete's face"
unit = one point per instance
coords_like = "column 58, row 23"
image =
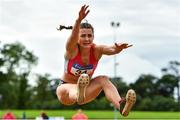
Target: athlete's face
column 86, row 37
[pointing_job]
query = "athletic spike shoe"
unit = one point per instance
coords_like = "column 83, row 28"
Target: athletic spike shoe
column 82, row 83
column 129, row 102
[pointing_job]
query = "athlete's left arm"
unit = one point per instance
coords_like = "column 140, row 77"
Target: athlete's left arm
column 114, row 49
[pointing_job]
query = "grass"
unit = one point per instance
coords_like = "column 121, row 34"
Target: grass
column 97, row 114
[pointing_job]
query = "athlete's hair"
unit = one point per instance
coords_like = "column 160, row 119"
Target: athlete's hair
column 82, row 25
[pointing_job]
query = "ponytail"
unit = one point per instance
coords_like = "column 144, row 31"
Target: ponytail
column 61, row 27
column 82, row 25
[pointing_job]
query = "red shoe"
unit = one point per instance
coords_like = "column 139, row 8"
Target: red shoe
column 129, row 102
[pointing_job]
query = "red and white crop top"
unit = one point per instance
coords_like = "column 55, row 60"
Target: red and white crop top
column 75, row 66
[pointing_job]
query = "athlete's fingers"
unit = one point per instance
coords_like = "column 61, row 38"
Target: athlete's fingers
column 87, row 11
column 82, row 8
column 129, row 45
column 86, row 7
column 123, row 45
column 116, row 44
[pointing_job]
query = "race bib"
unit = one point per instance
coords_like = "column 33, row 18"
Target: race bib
column 77, row 69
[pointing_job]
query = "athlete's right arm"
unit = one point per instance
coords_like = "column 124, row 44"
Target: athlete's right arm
column 71, row 45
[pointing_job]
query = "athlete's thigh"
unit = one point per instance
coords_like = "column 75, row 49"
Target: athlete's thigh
column 93, row 89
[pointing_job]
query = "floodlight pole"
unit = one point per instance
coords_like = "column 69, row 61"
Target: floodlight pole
column 115, row 25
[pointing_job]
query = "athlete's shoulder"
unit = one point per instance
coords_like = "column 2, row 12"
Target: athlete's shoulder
column 99, row 47
column 97, row 51
column 96, row 46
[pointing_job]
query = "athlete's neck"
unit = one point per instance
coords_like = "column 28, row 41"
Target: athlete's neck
column 84, row 51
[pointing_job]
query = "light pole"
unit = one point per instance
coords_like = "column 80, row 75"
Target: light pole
column 115, row 25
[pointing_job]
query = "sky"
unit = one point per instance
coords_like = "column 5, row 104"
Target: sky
column 152, row 26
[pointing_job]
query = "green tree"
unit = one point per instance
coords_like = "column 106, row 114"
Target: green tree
column 145, row 85
column 42, row 92
column 24, row 91
column 165, row 85
column 162, row 103
column 15, row 62
column 173, row 68
column 145, row 88
column 17, row 58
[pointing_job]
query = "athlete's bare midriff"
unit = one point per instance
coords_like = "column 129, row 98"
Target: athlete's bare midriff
column 70, row 78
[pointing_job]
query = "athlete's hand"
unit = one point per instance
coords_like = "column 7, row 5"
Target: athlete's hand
column 83, row 12
column 122, row 46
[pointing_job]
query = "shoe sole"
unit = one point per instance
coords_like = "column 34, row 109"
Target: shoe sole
column 130, row 101
column 82, row 83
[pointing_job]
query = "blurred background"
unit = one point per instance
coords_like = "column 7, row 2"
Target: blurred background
column 32, row 51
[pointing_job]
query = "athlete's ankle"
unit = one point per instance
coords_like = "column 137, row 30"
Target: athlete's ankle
column 121, row 104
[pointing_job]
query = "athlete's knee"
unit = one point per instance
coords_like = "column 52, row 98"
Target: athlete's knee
column 63, row 96
column 104, row 77
column 103, row 80
column 60, row 91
